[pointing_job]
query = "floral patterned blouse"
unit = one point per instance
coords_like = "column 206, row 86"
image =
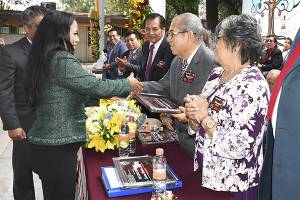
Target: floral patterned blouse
column 232, row 159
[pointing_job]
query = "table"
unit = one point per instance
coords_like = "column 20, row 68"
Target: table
column 179, row 161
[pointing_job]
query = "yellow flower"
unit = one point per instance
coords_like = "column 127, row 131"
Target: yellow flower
column 103, row 123
column 97, row 142
column 110, row 145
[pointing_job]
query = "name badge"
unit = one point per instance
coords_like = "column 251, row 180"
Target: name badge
column 217, row 103
column 188, row 77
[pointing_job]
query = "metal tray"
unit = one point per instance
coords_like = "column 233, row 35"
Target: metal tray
column 136, row 172
column 158, row 103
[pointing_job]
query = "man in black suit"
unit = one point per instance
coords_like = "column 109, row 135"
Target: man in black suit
column 15, row 111
column 131, row 59
column 157, row 55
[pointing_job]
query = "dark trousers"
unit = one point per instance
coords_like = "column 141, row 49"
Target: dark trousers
column 23, row 187
column 56, row 167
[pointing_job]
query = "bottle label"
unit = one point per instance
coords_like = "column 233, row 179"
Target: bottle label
column 123, row 140
column 159, row 174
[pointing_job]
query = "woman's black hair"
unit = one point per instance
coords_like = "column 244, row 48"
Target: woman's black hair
column 242, row 30
column 52, row 35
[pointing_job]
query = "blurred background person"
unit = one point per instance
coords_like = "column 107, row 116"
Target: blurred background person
column 229, row 114
column 286, row 47
column 131, row 59
column 111, row 67
column 15, row 111
column 272, row 59
column 157, row 55
column 187, row 74
column 58, row 88
column 2, row 42
column 272, row 76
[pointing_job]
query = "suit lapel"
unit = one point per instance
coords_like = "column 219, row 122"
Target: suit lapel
column 25, row 45
column 158, row 53
column 193, row 67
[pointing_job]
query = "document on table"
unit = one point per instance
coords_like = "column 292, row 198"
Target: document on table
column 112, row 177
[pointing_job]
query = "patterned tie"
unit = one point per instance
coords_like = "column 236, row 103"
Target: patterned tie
column 285, row 70
column 184, row 66
column 149, row 63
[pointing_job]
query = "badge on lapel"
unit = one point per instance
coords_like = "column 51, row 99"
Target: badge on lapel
column 188, row 76
column 217, row 103
column 161, row 64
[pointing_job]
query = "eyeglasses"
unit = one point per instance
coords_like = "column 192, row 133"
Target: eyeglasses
column 269, row 40
column 219, row 37
column 171, row 34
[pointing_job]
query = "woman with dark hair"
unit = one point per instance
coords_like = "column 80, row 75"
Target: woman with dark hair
column 58, row 88
column 229, row 114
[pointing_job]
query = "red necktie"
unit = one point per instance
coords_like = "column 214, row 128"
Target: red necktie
column 149, row 63
column 285, row 70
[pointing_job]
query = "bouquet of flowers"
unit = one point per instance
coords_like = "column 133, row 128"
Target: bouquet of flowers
column 103, row 123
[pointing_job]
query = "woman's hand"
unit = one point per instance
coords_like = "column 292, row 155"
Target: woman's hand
column 196, row 107
column 136, row 86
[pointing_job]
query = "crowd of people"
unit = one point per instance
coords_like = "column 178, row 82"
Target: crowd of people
column 223, row 93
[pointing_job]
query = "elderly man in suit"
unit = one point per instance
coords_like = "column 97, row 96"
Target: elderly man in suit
column 111, row 68
column 15, row 112
column 157, row 56
column 280, row 177
column 187, row 74
column 131, row 59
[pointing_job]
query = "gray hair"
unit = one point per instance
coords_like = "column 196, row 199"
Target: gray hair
column 31, row 12
column 242, row 30
column 190, row 22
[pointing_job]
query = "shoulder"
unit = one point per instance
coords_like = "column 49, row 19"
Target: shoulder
column 64, row 58
column 16, row 45
column 277, row 52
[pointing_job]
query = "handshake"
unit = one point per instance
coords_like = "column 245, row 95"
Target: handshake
column 136, row 86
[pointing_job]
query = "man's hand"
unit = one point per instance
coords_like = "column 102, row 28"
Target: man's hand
column 136, row 86
column 167, row 121
column 17, row 134
column 122, row 62
column 181, row 116
column 106, row 67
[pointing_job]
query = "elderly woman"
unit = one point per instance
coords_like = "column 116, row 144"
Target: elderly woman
column 229, row 114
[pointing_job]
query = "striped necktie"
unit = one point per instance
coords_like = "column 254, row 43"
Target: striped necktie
column 184, row 66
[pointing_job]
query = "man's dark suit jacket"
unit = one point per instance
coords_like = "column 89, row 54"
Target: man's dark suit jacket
column 274, row 61
column 134, row 62
column 15, row 111
column 163, row 54
column 280, row 179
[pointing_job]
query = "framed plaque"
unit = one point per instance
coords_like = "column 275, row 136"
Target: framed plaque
column 157, row 103
column 157, row 137
column 136, row 172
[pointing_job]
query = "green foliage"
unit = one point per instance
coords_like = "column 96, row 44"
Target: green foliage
column 229, row 7
column 78, row 5
column 177, row 7
column 116, row 6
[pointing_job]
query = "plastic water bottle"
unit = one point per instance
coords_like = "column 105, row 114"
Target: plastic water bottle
column 132, row 135
column 159, row 174
column 124, row 140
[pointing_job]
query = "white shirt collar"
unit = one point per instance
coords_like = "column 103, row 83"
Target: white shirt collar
column 192, row 55
column 157, row 44
column 28, row 39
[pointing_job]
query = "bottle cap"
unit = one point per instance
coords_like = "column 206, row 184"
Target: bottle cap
column 159, row 151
